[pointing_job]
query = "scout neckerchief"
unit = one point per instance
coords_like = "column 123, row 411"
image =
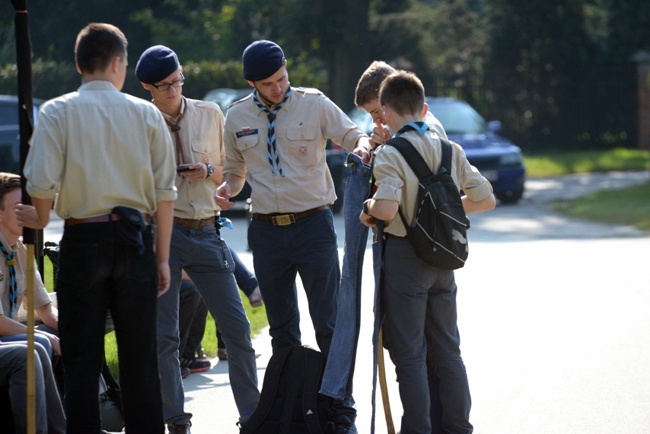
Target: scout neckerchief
column 419, row 127
column 10, row 261
column 273, row 154
column 176, row 128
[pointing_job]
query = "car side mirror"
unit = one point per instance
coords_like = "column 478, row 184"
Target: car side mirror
column 494, row 126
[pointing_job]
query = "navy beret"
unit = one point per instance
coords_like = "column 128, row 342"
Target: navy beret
column 262, row 59
column 156, row 64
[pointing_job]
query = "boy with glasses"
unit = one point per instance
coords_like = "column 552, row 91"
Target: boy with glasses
column 197, row 247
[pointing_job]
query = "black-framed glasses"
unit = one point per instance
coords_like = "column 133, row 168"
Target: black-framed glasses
column 166, row 86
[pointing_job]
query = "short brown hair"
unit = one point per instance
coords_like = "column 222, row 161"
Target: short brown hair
column 403, row 92
column 97, row 44
column 370, row 81
column 8, row 183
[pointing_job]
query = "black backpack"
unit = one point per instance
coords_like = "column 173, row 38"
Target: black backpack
column 439, row 232
column 290, row 402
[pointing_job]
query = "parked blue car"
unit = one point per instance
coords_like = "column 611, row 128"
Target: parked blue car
column 10, row 132
column 500, row 161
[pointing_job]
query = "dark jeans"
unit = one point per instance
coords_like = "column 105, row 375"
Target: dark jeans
column 281, row 253
column 192, row 315
column 99, row 271
column 419, row 302
column 193, row 311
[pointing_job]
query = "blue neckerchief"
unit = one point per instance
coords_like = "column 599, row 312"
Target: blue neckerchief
column 419, row 127
column 274, row 156
column 10, row 261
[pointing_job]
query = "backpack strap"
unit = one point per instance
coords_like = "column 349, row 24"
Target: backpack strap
column 418, row 165
column 415, row 160
column 270, row 388
column 313, row 363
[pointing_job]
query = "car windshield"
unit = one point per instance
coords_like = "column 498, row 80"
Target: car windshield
column 458, row 118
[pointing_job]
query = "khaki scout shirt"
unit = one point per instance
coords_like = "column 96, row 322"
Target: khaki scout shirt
column 202, row 136
column 302, row 127
column 41, row 297
column 99, row 148
column 396, row 181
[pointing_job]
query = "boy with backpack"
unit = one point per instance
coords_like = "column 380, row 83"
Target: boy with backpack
column 419, row 299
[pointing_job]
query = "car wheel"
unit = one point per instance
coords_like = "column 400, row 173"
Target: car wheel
column 510, row 196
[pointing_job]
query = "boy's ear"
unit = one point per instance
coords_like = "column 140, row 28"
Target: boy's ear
column 425, row 109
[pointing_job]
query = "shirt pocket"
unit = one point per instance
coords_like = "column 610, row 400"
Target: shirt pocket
column 304, row 146
column 205, row 151
column 247, row 142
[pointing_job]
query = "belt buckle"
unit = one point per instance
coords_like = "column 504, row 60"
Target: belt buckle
column 283, row 220
column 194, row 224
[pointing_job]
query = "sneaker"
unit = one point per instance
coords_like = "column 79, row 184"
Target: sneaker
column 185, row 371
column 222, row 353
column 179, row 428
column 343, row 417
column 199, row 365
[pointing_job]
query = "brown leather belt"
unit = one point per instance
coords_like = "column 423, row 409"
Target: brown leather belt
column 279, row 219
column 97, row 219
column 104, row 218
column 194, row 224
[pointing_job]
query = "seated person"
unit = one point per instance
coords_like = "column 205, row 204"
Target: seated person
column 13, row 275
column 49, row 415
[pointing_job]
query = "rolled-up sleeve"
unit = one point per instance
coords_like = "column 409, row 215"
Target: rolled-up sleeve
column 338, row 127
column 44, row 165
column 162, row 159
column 473, row 184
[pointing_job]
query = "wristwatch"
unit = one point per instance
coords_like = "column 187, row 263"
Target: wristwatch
column 210, row 169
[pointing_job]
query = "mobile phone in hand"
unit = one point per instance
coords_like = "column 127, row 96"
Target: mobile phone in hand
column 180, row 169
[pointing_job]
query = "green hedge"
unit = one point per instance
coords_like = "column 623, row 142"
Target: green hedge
column 50, row 79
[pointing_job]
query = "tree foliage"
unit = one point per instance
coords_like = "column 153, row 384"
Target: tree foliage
column 506, row 56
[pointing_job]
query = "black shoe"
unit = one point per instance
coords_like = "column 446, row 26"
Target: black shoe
column 179, row 428
column 198, row 365
column 343, row 417
column 222, row 354
column 195, row 365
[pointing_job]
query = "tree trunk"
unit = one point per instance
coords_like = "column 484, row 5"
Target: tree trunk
column 344, row 47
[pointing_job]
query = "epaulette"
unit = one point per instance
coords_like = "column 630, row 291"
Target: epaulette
column 250, row 95
column 308, row 90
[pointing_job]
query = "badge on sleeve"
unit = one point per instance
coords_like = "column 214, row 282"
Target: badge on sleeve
column 302, row 150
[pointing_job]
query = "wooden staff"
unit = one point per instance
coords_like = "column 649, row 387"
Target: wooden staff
column 384, row 386
column 30, row 237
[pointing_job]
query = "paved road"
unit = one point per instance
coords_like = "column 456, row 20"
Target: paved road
column 554, row 319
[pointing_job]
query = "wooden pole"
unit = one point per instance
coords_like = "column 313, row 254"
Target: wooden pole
column 30, row 236
column 31, row 380
column 384, row 386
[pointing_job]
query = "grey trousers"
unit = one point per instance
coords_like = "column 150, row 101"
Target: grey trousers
column 50, row 418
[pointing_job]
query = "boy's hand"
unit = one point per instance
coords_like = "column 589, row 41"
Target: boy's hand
column 380, row 134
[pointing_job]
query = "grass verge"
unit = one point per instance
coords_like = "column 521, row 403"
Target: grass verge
column 628, row 206
column 256, row 316
column 564, row 163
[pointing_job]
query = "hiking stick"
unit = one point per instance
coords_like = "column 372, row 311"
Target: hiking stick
column 384, row 387
column 30, row 236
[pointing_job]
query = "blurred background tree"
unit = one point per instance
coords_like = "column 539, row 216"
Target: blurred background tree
column 556, row 72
